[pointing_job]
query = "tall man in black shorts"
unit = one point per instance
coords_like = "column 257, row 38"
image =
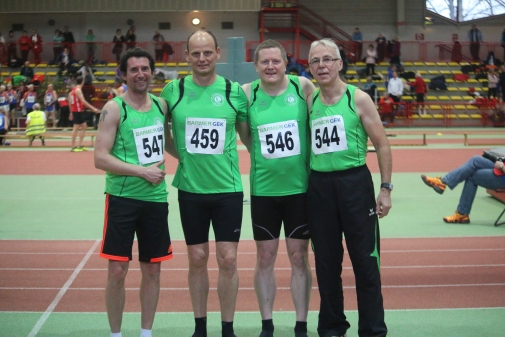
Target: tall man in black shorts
column 206, row 111
column 129, row 147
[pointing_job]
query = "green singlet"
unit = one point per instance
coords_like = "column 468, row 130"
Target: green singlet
column 203, row 125
column 139, row 141
column 338, row 138
column 279, row 129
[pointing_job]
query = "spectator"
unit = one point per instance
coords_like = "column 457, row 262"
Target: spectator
column 345, row 60
column 63, row 121
column 456, row 52
column 370, row 88
column 502, row 42
column 492, row 83
column 381, row 47
column 130, row 39
column 502, row 81
column 13, row 102
column 371, row 59
column 24, row 45
column 64, row 61
column 395, row 51
column 294, row 67
column 118, row 41
column 90, row 47
column 478, row 171
column 4, row 127
column 420, row 89
column 158, row 40
column 36, row 124
column 27, row 71
column 58, row 40
column 11, row 47
column 306, row 72
column 395, row 91
column 2, row 45
column 357, row 38
column 4, row 101
column 36, row 46
column 386, row 108
column 69, row 40
column 475, row 38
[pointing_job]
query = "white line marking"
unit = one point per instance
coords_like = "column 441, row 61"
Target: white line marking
column 276, row 268
column 62, row 292
column 182, row 253
column 400, row 286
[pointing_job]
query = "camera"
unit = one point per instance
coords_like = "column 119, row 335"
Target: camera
column 493, row 156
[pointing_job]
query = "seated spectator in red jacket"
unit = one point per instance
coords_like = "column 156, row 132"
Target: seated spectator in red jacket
column 386, row 108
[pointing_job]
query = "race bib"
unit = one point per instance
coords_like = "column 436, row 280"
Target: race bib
column 279, row 139
column 150, row 142
column 49, row 99
column 2, row 99
column 205, row 135
column 328, row 135
column 30, row 99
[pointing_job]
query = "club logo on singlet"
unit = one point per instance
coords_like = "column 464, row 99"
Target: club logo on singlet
column 217, row 99
column 290, row 100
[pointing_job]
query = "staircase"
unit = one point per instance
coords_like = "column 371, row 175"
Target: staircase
column 290, row 17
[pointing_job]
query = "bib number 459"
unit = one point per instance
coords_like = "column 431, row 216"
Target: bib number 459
column 205, row 138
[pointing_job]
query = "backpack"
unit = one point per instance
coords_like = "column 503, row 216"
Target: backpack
column 438, row 83
column 408, row 75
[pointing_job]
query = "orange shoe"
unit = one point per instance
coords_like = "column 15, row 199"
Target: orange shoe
column 457, row 218
column 435, row 183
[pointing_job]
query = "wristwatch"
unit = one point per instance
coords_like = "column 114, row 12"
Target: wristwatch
column 389, row 186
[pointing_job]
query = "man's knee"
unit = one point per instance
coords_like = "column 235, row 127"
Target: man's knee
column 117, row 271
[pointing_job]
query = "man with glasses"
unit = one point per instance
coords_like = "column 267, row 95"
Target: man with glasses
column 340, row 195
column 279, row 170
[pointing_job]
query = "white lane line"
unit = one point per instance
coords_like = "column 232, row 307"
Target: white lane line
column 400, row 286
column 284, row 253
column 62, row 292
column 485, row 265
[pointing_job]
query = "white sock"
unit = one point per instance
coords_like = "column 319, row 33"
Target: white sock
column 116, row 334
column 145, row 333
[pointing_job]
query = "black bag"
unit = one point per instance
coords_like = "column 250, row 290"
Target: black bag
column 466, row 69
column 438, row 83
column 408, row 75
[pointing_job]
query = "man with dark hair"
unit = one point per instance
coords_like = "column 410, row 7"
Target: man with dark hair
column 278, row 121
column 68, row 39
column 77, row 104
column 129, row 147
column 206, row 111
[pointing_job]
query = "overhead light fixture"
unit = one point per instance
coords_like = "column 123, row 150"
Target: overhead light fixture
column 195, row 21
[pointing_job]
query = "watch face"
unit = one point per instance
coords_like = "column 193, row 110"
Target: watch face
column 389, row 186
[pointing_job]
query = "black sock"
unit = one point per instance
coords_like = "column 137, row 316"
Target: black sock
column 301, row 326
column 267, row 325
column 227, row 329
column 201, row 326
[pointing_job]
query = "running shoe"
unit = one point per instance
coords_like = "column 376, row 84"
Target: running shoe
column 435, row 183
column 82, row 148
column 75, row 149
column 457, row 218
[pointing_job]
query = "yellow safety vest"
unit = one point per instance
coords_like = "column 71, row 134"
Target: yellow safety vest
column 37, row 124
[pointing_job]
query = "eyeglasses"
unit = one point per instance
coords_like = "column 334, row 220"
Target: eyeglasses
column 327, row 61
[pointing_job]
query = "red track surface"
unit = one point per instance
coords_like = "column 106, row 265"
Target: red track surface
column 416, row 273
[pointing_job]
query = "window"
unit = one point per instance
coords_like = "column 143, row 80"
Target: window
column 466, row 10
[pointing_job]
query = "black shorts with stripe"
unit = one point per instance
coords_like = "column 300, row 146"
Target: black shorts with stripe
column 126, row 217
column 269, row 213
column 223, row 210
